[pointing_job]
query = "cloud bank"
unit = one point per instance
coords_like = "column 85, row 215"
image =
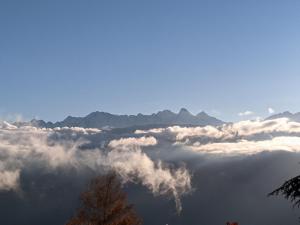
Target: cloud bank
column 61, row 148
column 137, row 157
column 241, row 138
column 41, row 162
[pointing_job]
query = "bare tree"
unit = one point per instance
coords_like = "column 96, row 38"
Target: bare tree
column 104, row 203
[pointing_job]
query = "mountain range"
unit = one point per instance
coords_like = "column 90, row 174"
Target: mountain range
column 292, row 116
column 162, row 118
column 103, row 119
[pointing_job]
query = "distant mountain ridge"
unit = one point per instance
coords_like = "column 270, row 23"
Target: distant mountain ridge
column 103, row 119
column 292, row 116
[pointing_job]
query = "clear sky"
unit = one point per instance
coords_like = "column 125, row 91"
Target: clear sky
column 60, row 58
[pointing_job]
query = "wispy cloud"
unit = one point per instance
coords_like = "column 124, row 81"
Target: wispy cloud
column 11, row 117
column 271, row 110
column 215, row 112
column 127, row 158
column 246, row 113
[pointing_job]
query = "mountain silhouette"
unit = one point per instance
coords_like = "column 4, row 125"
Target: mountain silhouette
column 103, row 119
column 292, row 116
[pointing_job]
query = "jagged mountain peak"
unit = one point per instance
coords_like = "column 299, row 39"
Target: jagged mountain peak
column 165, row 117
column 184, row 111
column 286, row 114
column 202, row 113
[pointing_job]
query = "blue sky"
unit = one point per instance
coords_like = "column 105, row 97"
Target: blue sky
column 60, row 58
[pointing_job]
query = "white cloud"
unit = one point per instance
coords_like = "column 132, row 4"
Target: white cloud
column 185, row 132
column 245, row 147
column 9, row 180
column 246, row 113
column 241, row 138
column 271, row 110
column 131, row 142
column 132, row 163
column 242, row 129
column 154, row 130
column 78, row 130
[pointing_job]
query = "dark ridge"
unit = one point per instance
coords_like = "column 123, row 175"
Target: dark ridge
column 162, row 118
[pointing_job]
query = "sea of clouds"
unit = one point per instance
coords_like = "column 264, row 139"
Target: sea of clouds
column 62, row 148
column 154, row 158
column 235, row 139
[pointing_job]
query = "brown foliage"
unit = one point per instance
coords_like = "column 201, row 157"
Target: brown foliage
column 104, row 203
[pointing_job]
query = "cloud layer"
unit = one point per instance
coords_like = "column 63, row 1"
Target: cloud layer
column 61, row 148
column 137, row 157
column 241, row 138
column 42, row 162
